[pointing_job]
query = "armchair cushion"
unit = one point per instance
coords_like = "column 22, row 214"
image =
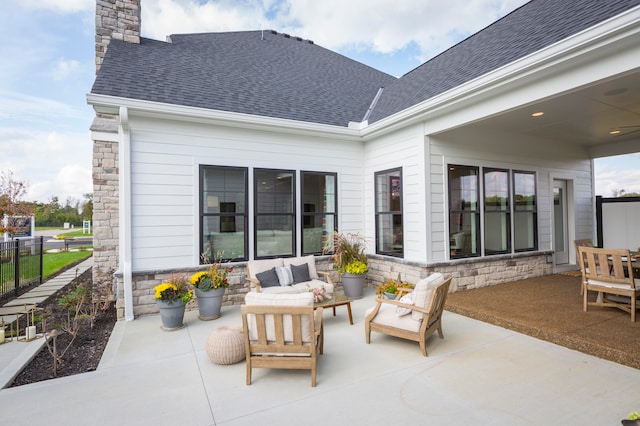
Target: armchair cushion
column 387, row 316
column 422, row 292
column 271, row 299
column 300, row 273
column 268, row 278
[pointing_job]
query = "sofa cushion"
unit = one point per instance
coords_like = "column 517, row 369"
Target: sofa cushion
column 285, row 276
column 268, row 278
column 300, row 273
column 422, row 292
column 270, row 299
column 309, row 260
column 257, row 266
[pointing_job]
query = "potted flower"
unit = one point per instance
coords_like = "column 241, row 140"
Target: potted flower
column 391, row 288
column 172, row 297
column 350, row 260
column 209, row 287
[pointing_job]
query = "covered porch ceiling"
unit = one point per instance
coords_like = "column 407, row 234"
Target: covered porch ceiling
column 603, row 117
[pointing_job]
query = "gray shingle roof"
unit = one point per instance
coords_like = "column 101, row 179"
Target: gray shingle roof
column 275, row 76
column 287, row 77
column 528, row 29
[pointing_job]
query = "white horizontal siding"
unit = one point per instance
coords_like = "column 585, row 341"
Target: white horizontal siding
column 403, row 149
column 490, row 149
column 165, row 159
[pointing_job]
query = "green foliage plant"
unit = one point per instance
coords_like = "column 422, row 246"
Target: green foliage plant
column 348, row 250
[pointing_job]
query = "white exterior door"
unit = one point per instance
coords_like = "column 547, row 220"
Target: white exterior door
column 560, row 223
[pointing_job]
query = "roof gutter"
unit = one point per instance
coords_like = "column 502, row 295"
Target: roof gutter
column 110, row 105
column 515, row 74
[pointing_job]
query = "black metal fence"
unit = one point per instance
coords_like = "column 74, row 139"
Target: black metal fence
column 20, row 265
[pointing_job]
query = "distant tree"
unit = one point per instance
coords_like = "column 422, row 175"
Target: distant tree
column 11, row 204
column 622, row 193
column 87, row 208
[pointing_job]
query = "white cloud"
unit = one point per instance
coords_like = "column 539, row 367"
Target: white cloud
column 62, row 6
column 16, row 106
column 614, row 174
column 65, row 68
column 51, row 163
column 379, row 25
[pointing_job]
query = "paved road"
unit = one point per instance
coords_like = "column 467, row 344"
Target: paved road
column 51, row 243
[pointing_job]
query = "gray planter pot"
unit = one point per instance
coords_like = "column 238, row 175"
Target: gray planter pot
column 171, row 314
column 209, row 303
column 353, row 285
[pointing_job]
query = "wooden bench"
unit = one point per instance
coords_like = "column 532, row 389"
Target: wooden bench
column 609, row 271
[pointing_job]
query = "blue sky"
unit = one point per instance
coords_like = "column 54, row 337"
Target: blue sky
column 48, row 66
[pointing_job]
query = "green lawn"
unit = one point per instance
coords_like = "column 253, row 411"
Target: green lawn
column 76, row 233
column 54, row 262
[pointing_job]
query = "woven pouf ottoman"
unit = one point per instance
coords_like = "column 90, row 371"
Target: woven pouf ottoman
column 225, row 345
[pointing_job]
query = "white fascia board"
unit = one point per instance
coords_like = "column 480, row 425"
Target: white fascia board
column 625, row 26
column 110, row 104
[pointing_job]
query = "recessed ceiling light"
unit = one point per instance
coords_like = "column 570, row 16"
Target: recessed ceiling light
column 537, row 114
column 614, row 132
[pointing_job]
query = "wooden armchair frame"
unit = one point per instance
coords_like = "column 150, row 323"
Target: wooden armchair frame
column 577, row 244
column 431, row 317
column 293, row 353
column 609, row 271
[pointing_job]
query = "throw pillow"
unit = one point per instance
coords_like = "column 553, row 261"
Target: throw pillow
column 300, row 273
column 423, row 291
column 268, row 278
column 285, row 276
column 401, row 310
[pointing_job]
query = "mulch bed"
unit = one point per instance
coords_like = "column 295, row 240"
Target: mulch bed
column 550, row 308
column 85, row 352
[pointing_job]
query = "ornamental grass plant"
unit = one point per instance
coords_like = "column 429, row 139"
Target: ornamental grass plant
column 348, row 253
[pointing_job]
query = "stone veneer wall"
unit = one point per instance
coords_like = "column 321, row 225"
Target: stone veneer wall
column 105, row 218
column 116, row 19
column 144, row 296
column 467, row 274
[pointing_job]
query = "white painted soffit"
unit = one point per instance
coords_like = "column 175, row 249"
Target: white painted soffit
column 617, row 30
column 110, row 105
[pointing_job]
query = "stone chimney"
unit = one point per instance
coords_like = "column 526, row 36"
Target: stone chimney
column 116, row 19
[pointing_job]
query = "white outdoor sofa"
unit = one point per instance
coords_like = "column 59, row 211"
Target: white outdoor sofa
column 287, row 275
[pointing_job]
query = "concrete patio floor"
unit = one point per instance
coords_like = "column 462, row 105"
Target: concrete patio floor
column 478, row 374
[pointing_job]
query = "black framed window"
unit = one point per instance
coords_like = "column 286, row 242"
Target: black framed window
column 319, row 209
column 497, row 211
column 464, row 211
column 388, row 212
column 525, row 211
column 274, row 206
column 223, row 213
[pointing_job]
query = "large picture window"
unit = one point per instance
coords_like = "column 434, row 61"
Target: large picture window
column 274, row 205
column 464, row 211
column 319, row 210
column 509, row 211
column 223, row 213
column 388, row 213
column 497, row 212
